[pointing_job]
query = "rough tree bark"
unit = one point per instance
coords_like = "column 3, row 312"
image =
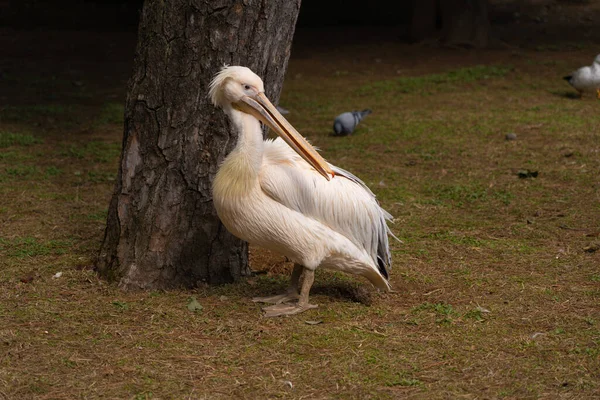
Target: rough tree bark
column 162, row 230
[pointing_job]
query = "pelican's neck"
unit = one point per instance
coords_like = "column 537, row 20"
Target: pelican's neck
column 249, row 147
column 239, row 172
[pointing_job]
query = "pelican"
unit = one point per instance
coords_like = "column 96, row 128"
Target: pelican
column 282, row 195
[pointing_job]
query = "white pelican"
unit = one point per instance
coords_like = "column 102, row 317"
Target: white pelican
column 287, row 198
column 586, row 78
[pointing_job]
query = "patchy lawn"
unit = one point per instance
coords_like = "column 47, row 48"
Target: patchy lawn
column 497, row 283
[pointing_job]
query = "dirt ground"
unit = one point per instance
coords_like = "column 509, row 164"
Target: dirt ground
column 497, row 281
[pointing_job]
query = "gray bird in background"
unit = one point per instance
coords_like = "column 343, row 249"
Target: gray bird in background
column 345, row 123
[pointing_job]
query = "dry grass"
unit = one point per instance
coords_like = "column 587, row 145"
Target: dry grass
column 497, row 286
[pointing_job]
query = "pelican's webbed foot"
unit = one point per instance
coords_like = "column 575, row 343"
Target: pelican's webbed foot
column 287, row 309
column 281, row 308
column 290, row 295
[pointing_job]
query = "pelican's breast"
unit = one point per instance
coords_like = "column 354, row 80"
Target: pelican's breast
column 235, row 192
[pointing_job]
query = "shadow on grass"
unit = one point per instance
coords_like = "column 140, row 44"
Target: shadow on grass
column 345, row 291
column 340, row 290
column 566, row 94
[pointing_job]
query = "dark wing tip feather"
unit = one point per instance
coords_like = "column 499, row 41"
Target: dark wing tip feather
column 568, row 77
column 382, row 268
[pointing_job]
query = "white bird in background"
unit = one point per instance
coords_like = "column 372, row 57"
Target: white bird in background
column 287, row 198
column 586, row 79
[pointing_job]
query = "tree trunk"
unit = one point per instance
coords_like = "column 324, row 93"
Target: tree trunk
column 465, row 22
column 423, row 20
column 162, row 230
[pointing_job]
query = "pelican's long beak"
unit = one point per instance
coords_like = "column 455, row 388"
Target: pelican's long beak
column 261, row 108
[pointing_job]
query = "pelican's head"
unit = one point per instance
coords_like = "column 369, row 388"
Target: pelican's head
column 232, row 84
column 241, row 89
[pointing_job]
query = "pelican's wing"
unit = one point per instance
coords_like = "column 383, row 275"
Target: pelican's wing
column 344, row 204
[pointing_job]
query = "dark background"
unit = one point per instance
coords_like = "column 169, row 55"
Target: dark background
column 93, row 42
column 123, row 14
column 512, row 21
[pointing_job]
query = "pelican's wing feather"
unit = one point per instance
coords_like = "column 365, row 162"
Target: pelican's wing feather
column 344, row 204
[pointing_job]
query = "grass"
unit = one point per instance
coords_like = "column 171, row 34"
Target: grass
column 33, row 247
column 111, row 113
column 8, row 139
column 432, row 82
column 41, row 112
column 97, row 151
column 495, row 295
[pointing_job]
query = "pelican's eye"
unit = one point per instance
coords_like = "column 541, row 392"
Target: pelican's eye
column 246, row 87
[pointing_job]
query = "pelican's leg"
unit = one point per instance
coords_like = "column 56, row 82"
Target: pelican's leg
column 308, row 277
column 598, row 93
column 291, row 293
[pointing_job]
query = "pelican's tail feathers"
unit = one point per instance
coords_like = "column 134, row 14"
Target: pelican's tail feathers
column 378, row 280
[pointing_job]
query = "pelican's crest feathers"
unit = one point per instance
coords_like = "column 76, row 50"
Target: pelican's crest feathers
column 216, row 89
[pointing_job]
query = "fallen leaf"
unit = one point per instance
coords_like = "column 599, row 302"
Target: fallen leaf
column 313, row 322
column 193, row 305
column 27, row 279
column 57, row 275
